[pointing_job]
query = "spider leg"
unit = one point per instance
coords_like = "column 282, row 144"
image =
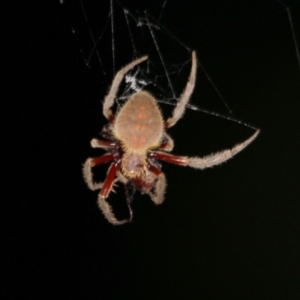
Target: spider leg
column 159, row 190
column 109, row 99
column 185, row 96
column 129, row 191
column 167, row 143
column 160, row 186
column 95, row 143
column 105, row 190
column 87, row 170
column 206, row 161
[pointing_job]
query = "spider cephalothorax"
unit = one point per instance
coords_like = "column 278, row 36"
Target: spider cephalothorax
column 135, row 140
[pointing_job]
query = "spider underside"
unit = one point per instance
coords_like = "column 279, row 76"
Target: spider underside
column 135, row 140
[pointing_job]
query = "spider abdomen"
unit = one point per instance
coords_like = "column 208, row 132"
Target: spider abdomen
column 139, row 123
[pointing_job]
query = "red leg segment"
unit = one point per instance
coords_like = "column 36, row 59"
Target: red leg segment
column 172, row 159
column 164, row 144
column 109, row 180
column 111, row 117
column 101, row 159
column 153, row 169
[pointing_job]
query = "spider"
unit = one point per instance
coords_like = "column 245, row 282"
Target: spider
column 135, row 139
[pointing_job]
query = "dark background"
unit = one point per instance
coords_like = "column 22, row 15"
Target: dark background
column 231, row 232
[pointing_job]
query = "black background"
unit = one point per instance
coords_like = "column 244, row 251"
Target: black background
column 231, row 232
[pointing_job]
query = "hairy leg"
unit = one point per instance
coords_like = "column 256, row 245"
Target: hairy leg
column 157, row 196
column 167, row 143
column 185, row 96
column 87, row 170
column 104, row 193
column 159, row 190
column 96, row 143
column 206, row 161
column 109, row 99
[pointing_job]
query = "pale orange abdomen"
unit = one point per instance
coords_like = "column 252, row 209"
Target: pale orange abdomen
column 139, row 124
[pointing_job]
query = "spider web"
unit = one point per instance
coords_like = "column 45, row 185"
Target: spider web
column 142, row 33
column 114, row 33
